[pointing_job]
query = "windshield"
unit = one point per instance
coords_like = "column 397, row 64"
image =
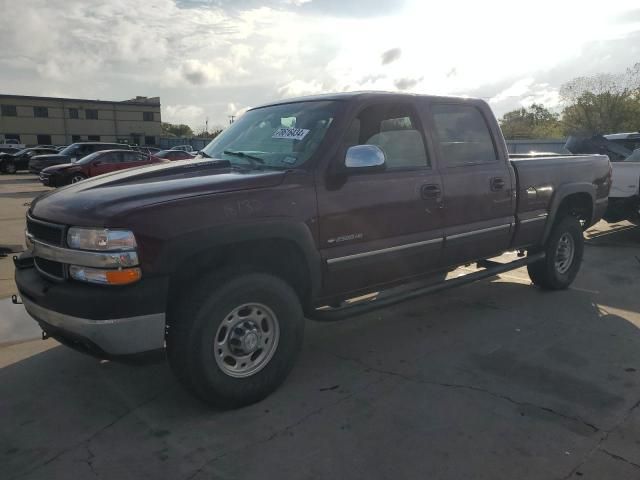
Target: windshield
column 22, row 152
column 634, row 157
column 280, row 136
column 70, row 150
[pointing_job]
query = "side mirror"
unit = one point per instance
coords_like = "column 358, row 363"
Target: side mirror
column 365, row 157
column 97, row 162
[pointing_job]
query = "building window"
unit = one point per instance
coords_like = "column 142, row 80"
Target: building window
column 75, row 138
column 149, row 140
column 91, row 114
column 73, row 113
column 43, row 139
column 12, row 136
column 8, row 111
column 93, row 138
column 41, row 112
column 135, row 139
column 147, row 116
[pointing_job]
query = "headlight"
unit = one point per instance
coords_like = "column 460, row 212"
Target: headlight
column 100, row 239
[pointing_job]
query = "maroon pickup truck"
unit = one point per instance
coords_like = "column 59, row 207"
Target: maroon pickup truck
column 296, row 208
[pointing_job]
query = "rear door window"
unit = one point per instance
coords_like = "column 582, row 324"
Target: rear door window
column 462, row 135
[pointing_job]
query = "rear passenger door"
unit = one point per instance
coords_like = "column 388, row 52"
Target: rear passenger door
column 132, row 159
column 478, row 193
column 376, row 227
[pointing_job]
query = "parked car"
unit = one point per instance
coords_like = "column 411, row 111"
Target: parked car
column 186, row 148
column 9, row 149
column 149, row 150
column 623, row 149
column 297, row 207
column 94, row 164
column 12, row 142
column 173, row 155
column 11, row 163
column 72, row 153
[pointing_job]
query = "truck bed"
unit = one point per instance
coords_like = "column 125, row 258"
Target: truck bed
column 539, row 179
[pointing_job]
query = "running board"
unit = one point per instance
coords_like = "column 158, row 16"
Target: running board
column 491, row 268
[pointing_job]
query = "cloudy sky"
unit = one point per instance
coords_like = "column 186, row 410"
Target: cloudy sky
column 214, row 58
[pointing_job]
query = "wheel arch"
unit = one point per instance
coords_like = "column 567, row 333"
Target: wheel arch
column 575, row 199
column 285, row 249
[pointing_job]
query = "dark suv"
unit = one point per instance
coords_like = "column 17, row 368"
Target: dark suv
column 71, row 154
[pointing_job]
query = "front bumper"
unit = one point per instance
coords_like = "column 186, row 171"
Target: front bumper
column 106, row 321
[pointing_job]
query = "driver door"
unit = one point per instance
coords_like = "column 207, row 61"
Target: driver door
column 107, row 162
column 377, row 227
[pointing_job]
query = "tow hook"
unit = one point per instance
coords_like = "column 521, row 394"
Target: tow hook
column 15, row 301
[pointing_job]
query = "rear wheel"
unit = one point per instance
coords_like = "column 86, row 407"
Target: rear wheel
column 235, row 339
column 77, row 177
column 564, row 250
column 9, row 167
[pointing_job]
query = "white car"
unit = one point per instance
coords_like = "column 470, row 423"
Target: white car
column 624, row 198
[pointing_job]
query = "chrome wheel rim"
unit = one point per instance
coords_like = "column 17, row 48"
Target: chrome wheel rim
column 10, row 168
column 246, row 340
column 76, row 179
column 565, row 251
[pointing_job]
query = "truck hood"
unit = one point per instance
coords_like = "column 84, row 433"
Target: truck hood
column 100, row 200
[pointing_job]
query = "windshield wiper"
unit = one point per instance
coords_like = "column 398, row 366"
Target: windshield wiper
column 252, row 158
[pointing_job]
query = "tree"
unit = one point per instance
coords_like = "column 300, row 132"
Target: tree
column 533, row 122
column 602, row 103
column 176, row 130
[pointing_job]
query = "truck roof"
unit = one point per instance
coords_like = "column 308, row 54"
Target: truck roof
column 363, row 95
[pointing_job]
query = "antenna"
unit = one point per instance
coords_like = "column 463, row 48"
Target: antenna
column 232, row 118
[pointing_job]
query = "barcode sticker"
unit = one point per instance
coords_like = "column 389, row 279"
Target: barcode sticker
column 290, row 133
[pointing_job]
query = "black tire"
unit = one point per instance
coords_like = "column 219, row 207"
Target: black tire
column 75, row 178
column 194, row 326
column 556, row 271
column 9, row 167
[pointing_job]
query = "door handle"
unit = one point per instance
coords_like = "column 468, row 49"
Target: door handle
column 431, row 191
column 497, row 183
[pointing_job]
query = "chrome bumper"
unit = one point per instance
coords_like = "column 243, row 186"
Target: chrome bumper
column 121, row 336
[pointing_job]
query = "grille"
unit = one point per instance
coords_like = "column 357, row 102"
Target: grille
column 45, row 232
column 55, row 269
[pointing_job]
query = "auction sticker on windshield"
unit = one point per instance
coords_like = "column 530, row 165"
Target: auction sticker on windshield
column 290, row 133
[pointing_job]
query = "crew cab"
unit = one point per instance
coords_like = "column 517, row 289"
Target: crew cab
column 12, row 162
column 97, row 163
column 71, row 153
column 295, row 210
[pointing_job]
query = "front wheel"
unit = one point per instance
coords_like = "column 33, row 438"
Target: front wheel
column 77, row 177
column 235, row 339
column 564, row 250
column 9, row 167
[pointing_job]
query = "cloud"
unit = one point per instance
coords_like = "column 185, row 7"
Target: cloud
column 187, row 114
column 200, row 56
column 391, row 55
column 198, row 73
column 407, row 83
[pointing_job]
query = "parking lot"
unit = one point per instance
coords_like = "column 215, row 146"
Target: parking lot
column 497, row 379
